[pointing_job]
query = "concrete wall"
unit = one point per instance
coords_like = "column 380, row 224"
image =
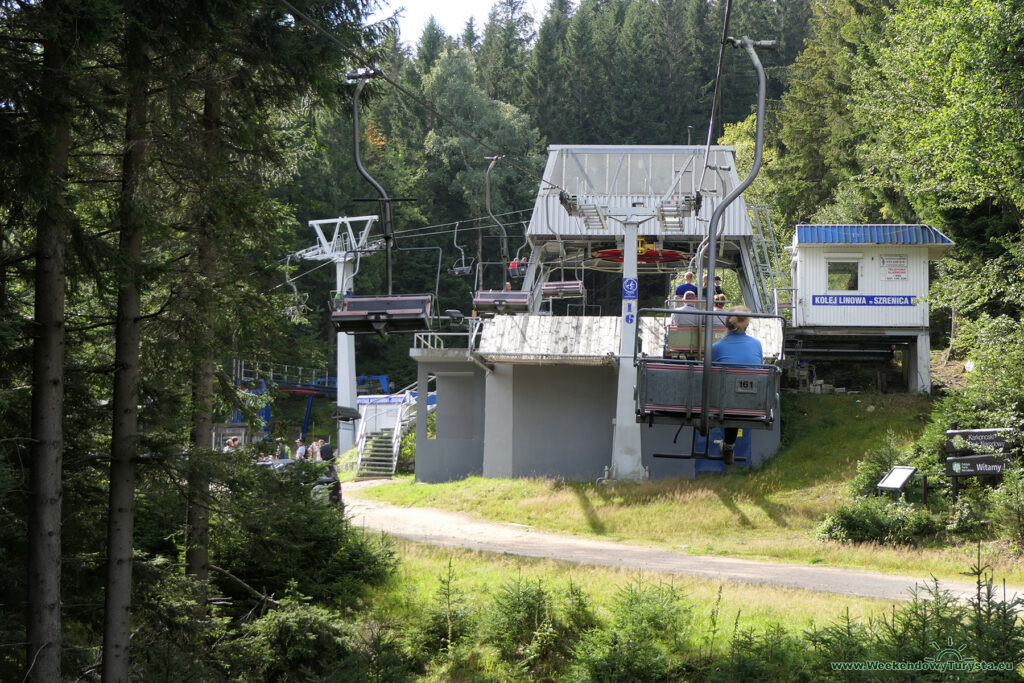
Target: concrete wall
column 562, row 417
column 457, row 452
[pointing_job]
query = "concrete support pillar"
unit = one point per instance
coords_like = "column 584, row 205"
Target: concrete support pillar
column 627, row 461
column 346, row 373
column 919, row 365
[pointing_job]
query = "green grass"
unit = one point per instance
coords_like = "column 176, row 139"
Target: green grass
column 478, row 575
column 767, row 514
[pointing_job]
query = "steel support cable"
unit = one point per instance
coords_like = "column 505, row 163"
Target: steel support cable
column 408, row 231
column 718, row 90
column 408, row 93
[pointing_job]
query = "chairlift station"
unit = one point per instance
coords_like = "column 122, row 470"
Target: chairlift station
column 527, row 393
column 523, row 392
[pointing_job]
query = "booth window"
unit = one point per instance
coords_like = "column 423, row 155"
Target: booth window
column 842, row 276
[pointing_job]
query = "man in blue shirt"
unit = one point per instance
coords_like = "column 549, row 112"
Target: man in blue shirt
column 687, row 286
column 737, row 348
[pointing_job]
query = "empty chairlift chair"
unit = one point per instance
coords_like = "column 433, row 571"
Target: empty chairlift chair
column 361, row 314
column 563, row 289
column 489, row 302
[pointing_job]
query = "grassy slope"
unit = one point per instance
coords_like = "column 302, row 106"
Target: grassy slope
column 768, row 514
column 479, row 575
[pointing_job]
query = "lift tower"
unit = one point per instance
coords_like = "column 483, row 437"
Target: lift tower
column 342, row 240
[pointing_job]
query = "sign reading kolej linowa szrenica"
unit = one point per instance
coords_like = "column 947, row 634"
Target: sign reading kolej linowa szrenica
column 863, row 300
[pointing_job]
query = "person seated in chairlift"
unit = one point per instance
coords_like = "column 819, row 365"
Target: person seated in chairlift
column 737, row 348
column 718, row 286
column 686, row 286
column 719, row 320
column 684, row 317
column 300, row 449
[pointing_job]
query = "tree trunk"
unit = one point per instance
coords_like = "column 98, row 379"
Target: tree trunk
column 46, row 488
column 197, row 548
column 121, row 515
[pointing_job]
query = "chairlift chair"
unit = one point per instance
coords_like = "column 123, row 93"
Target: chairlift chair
column 670, row 390
column 363, row 314
column 462, row 267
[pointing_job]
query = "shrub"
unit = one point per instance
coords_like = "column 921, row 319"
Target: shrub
column 296, row 642
column 646, row 641
column 878, row 519
column 874, row 465
column 407, row 449
column 266, row 530
column 1009, row 505
column 521, row 608
column 771, row 655
column 448, row 620
column 970, row 514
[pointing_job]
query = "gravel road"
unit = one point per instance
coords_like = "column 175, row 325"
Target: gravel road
column 439, row 527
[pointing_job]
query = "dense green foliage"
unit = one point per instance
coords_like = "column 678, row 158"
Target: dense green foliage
column 199, row 138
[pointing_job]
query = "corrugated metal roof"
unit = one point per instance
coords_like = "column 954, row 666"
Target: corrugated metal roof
column 618, row 177
column 579, row 340
column 570, row 340
column 870, row 234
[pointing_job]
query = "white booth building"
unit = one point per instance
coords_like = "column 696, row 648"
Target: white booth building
column 866, row 285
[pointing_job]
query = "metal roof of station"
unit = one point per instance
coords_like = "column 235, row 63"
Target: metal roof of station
column 870, row 234
column 613, row 178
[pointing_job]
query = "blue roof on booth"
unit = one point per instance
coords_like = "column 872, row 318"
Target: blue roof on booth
column 870, row 234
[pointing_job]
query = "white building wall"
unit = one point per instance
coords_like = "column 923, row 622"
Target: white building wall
column 879, row 275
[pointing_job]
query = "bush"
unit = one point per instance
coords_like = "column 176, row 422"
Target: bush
column 296, row 642
column 266, row 530
column 970, row 514
column 521, row 610
column 772, row 655
column 876, row 464
column 646, row 641
column 878, row 519
column 1009, row 505
column 407, row 449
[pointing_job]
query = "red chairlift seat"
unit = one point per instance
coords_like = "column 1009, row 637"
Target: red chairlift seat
column 501, row 301
column 649, row 256
column 359, row 314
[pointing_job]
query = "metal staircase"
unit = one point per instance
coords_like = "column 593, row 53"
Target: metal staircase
column 378, row 449
column 767, row 263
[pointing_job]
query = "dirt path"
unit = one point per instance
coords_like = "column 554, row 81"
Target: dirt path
column 439, row 527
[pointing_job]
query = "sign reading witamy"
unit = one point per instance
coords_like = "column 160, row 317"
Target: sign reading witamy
column 975, row 466
column 893, row 267
column 863, row 300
